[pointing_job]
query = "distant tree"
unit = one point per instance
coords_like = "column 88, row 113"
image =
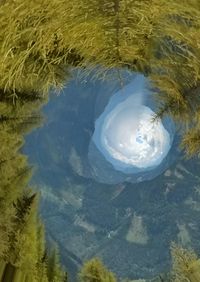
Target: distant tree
column 94, row 271
column 21, row 251
column 66, row 277
column 16, row 238
column 26, row 256
column 54, row 271
column 42, row 256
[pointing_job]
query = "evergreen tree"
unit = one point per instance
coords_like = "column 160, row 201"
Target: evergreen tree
column 54, row 271
column 186, row 265
column 22, row 238
column 42, row 256
column 94, row 271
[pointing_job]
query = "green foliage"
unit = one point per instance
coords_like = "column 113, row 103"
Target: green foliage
column 42, row 257
column 191, row 141
column 186, row 265
column 33, row 56
column 54, row 271
column 22, row 241
column 41, row 40
column 94, row 271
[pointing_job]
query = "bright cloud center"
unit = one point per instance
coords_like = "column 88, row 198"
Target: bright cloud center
column 129, row 135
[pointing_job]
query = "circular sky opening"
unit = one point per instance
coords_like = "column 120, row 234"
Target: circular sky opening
column 127, row 139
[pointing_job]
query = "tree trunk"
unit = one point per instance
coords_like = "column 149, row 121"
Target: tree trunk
column 19, row 276
column 2, row 267
column 8, row 273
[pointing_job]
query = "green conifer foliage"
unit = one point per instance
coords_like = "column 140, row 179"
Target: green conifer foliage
column 42, row 257
column 115, row 33
column 40, row 40
column 33, row 56
column 94, row 271
column 54, row 271
column 22, row 242
column 186, row 265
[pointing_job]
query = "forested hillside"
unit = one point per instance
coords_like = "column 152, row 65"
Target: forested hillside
column 40, row 42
